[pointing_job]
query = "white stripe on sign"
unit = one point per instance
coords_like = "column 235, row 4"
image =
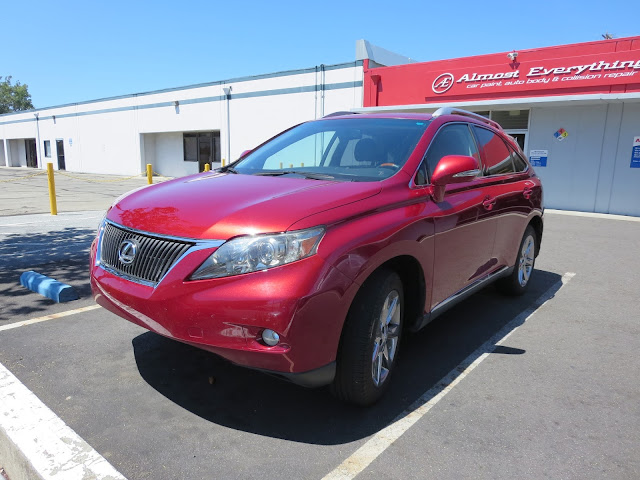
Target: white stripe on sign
column 52, row 449
column 377, row 444
column 48, row 317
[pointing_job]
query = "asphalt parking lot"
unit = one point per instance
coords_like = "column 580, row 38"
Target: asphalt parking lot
column 557, row 398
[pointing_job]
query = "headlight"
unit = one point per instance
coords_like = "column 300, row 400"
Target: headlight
column 259, row 252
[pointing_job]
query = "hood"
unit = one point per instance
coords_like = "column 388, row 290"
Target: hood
column 220, row 206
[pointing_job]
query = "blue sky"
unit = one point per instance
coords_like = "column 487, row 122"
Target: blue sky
column 68, row 51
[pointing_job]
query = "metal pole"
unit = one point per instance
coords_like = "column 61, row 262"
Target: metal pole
column 52, row 189
column 149, row 174
column 227, row 94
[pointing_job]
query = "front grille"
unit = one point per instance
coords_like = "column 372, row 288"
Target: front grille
column 153, row 258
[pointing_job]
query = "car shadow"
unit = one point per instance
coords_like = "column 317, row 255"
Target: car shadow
column 250, row 401
column 61, row 254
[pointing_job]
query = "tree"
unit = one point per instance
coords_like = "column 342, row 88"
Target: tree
column 14, row 98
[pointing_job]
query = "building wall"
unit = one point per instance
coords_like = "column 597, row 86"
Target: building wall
column 3, row 162
column 169, row 156
column 590, row 169
column 625, row 192
column 17, row 153
column 120, row 135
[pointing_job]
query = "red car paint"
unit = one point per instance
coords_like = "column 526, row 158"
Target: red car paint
column 449, row 245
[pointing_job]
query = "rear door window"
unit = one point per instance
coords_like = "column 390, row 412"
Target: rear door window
column 518, row 162
column 496, row 155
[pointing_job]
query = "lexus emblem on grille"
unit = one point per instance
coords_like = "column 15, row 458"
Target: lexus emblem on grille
column 127, row 251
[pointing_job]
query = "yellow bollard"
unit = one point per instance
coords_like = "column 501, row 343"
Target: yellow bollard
column 223, row 162
column 52, row 189
column 149, row 174
column 207, row 167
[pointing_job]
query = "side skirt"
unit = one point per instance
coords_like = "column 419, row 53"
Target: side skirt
column 461, row 295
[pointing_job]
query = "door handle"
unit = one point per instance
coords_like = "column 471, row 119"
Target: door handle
column 489, row 203
column 527, row 192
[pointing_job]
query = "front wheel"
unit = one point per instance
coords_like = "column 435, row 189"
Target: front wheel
column 518, row 281
column 370, row 340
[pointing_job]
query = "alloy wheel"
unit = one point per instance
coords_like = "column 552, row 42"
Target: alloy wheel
column 525, row 263
column 386, row 333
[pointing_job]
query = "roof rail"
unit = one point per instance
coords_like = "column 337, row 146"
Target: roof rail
column 459, row 111
column 338, row 114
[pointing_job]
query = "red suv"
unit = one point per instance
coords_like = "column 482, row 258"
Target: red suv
column 313, row 254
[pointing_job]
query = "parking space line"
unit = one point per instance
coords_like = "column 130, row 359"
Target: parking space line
column 38, row 444
column 377, row 444
column 48, row 317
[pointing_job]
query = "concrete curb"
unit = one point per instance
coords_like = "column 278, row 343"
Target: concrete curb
column 35, row 444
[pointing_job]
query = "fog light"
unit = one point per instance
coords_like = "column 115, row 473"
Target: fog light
column 270, row 337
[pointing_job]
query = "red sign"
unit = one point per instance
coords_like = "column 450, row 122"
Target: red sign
column 583, row 68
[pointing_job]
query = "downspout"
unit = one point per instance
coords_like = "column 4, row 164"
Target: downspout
column 40, row 159
column 322, row 82
column 227, row 94
column 315, row 96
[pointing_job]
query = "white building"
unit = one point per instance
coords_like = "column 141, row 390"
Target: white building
column 177, row 130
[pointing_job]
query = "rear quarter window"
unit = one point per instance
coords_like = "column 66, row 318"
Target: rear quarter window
column 497, row 156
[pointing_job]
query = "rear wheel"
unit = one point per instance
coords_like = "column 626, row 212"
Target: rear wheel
column 370, row 340
column 518, row 281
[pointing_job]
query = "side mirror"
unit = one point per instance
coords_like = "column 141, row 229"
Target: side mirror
column 453, row 169
column 245, row 153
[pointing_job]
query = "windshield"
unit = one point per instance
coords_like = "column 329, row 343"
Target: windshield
column 353, row 149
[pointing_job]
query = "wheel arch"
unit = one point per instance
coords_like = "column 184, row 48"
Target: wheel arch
column 538, row 227
column 413, row 281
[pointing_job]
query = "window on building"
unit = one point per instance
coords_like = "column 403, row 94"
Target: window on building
column 511, row 119
column 47, row 148
column 450, row 140
column 497, row 156
column 190, row 147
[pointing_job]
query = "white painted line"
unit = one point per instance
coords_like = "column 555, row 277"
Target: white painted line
column 377, row 444
column 606, row 216
column 48, row 317
column 52, row 449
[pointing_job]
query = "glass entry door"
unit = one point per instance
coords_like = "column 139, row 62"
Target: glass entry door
column 204, row 150
column 31, row 152
column 202, row 147
column 60, row 152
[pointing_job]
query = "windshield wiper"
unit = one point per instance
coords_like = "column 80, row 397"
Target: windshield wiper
column 228, row 170
column 312, row 175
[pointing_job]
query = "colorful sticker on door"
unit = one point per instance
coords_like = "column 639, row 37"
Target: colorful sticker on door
column 538, row 158
column 635, row 153
column 561, row 134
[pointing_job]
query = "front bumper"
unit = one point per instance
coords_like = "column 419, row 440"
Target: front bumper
column 306, row 302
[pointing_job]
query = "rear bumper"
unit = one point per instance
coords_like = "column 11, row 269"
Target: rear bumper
column 306, row 302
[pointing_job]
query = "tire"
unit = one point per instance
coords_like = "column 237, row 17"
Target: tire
column 371, row 336
column 518, row 281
